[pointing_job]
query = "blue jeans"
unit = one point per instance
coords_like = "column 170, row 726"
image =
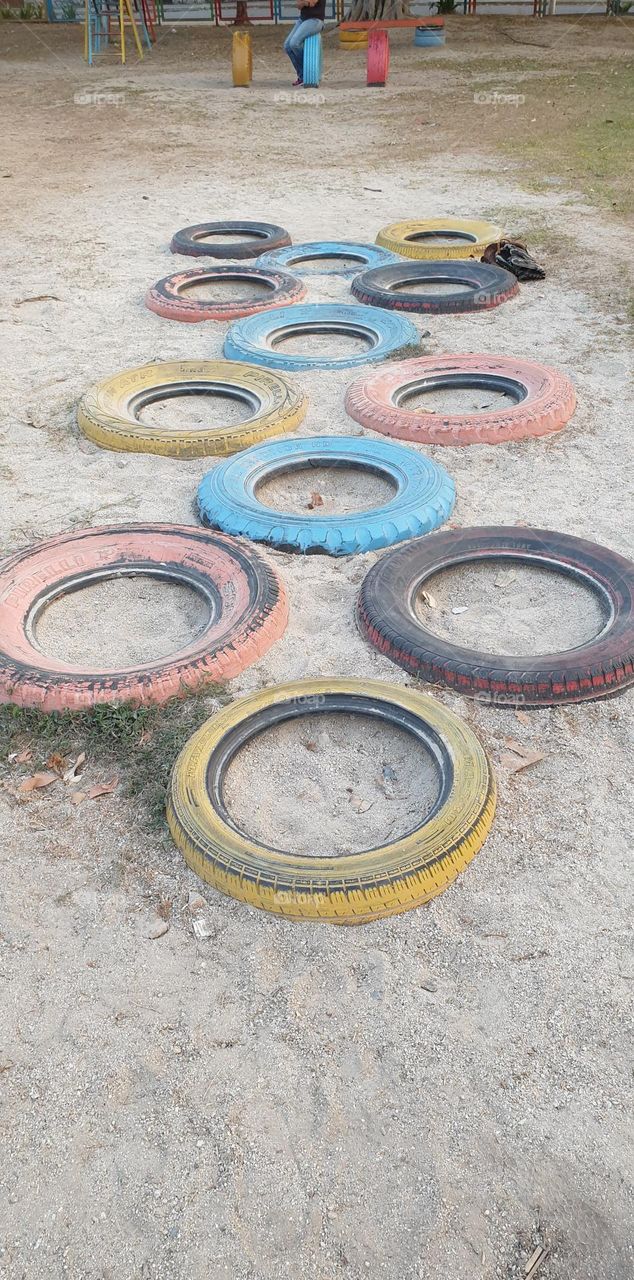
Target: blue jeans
column 294, row 42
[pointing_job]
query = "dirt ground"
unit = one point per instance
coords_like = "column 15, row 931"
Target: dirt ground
column 435, row 1095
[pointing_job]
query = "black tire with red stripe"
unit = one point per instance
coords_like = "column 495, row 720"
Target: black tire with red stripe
column 602, row 666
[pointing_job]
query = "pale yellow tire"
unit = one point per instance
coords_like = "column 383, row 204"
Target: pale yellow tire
column 472, row 236
column 241, row 59
column 353, row 39
column 108, row 412
column 354, row 888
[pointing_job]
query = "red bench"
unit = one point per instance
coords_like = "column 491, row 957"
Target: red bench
column 379, row 41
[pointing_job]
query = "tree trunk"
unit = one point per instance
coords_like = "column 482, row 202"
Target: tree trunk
column 242, row 14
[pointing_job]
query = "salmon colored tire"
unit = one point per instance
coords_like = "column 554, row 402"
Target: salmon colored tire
column 355, row 887
column 171, row 297
column 247, row 612
column 110, row 412
column 378, row 58
column 540, row 399
column 428, row 237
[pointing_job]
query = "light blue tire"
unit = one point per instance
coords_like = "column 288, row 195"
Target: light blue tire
column 253, row 338
column 312, row 61
column 428, row 38
column 424, row 497
column 303, row 259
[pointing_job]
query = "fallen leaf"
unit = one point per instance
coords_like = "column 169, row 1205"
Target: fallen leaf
column 358, row 804
column 102, row 789
column 76, row 797
column 523, row 717
column 429, row 599
column 56, row 762
column 38, row 780
column 516, row 762
column 20, row 757
column 316, row 500
column 311, row 745
column 72, row 773
column 164, row 909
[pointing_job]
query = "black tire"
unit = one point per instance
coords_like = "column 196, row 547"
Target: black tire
column 188, row 240
column 487, row 286
column 385, row 612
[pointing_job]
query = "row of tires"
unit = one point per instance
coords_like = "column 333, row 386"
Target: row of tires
column 376, row 42
column 248, row 611
column 540, row 401
column 392, row 285
column 445, row 237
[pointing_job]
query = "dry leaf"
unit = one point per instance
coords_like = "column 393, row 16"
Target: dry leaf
column 76, row 797
column 20, row 757
column 358, row 804
column 523, row 717
column 316, row 500
column 38, row 780
column 521, row 760
column 311, row 745
column 72, row 773
column 102, row 789
column 164, row 909
column 56, row 762
column 429, row 599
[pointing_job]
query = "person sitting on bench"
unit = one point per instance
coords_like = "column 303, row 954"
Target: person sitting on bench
column 310, row 21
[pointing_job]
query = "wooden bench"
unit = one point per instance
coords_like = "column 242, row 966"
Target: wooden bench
column 379, row 41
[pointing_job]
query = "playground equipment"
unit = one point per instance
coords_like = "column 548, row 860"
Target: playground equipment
column 378, row 63
column 425, row 36
column 242, row 59
column 353, row 39
column 105, row 19
column 312, row 61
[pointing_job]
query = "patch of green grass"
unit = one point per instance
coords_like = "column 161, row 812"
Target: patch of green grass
column 140, row 742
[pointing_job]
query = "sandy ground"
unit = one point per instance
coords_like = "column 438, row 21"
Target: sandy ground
column 428, row 1097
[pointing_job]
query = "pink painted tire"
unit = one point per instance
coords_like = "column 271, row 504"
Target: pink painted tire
column 378, row 58
column 247, row 612
column 170, row 297
column 544, row 399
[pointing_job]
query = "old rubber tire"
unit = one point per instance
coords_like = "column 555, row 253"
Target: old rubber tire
column 241, row 59
column 298, row 257
column 268, row 236
column 246, row 600
column 356, row 887
column 254, row 338
column 108, row 412
column 428, row 37
column 171, row 297
column 312, row 61
column 353, row 39
column 386, row 614
column 424, row 497
column 418, row 238
column 486, row 286
column 544, row 400
column 378, row 58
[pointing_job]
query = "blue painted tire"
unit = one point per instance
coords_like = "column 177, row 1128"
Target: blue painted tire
column 424, row 497
column 428, row 38
column 312, row 61
column 297, row 257
column 251, row 339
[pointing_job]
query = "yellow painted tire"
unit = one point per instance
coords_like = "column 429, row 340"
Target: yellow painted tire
column 469, row 236
column 353, row 39
column 241, row 59
column 108, row 412
column 353, row 888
